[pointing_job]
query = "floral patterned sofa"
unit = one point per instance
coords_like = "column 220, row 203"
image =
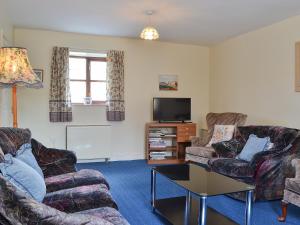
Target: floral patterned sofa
column 73, row 197
column 268, row 169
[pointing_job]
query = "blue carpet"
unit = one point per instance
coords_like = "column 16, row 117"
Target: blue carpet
column 130, row 187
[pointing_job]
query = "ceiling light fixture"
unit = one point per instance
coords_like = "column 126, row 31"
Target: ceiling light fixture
column 149, row 32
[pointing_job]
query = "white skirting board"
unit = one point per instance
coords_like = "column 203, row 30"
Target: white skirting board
column 89, row 142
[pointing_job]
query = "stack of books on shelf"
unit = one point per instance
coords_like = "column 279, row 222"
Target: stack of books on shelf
column 160, row 143
column 160, row 155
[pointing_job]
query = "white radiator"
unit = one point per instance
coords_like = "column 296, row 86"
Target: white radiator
column 91, row 143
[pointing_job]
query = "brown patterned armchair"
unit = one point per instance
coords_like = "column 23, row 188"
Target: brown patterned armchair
column 291, row 191
column 198, row 152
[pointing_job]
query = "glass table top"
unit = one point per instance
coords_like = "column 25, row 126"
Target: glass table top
column 200, row 181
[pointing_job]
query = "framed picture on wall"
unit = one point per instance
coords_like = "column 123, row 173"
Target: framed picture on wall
column 168, row 82
column 39, row 73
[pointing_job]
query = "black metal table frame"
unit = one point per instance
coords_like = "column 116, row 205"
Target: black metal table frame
column 202, row 203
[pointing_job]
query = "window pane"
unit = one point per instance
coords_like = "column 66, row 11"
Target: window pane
column 98, row 91
column 98, row 70
column 78, row 91
column 77, row 68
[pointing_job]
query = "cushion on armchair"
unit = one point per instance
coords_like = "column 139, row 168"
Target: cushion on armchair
column 23, row 177
column 253, row 145
column 221, row 133
column 25, row 155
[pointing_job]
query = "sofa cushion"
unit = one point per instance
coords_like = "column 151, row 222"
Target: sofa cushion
column 11, row 139
column 205, row 152
column 293, row 185
column 107, row 213
column 253, row 145
column 75, row 179
column 228, row 149
column 23, row 177
column 221, row 133
column 25, row 155
column 231, row 167
column 80, row 198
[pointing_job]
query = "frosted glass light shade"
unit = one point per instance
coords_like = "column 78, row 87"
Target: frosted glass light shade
column 149, row 33
column 15, row 68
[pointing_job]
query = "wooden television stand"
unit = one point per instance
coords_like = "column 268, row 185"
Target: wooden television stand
column 166, row 142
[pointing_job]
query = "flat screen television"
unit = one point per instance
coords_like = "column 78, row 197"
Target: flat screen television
column 171, row 109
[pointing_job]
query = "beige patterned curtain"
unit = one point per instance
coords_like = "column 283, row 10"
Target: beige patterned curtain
column 115, row 110
column 60, row 98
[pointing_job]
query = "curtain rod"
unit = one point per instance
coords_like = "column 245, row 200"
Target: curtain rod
column 88, row 50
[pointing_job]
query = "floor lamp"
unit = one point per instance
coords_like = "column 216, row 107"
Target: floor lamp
column 15, row 70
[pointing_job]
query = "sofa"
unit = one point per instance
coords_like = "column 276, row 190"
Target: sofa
column 73, row 197
column 268, row 169
column 198, row 152
column 291, row 191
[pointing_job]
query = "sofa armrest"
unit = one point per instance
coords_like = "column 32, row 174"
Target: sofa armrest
column 296, row 165
column 201, row 140
column 260, row 157
column 53, row 161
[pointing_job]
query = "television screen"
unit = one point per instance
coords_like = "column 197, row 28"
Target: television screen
column 171, row 109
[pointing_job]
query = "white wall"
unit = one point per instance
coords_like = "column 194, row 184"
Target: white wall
column 6, row 38
column 144, row 61
column 254, row 74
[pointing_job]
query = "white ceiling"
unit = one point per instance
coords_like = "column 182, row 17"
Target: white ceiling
column 201, row 22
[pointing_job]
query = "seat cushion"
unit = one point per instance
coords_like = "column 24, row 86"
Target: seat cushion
column 23, row 177
column 107, row 213
column 25, row 155
column 80, row 198
column 293, row 185
column 76, row 179
column 231, row 167
column 206, row 152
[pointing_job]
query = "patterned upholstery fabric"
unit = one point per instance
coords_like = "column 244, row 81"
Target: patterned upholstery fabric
column 75, row 179
column 201, row 140
column 212, row 119
column 205, row 152
column 228, row 149
column 53, row 161
column 68, row 191
column 267, row 169
column 292, row 185
column 19, row 209
column 232, row 167
column 13, row 138
column 80, row 198
column 228, row 118
column 107, row 213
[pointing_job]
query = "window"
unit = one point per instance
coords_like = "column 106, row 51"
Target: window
column 87, row 78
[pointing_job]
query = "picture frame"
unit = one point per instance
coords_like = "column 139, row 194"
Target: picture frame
column 39, row 73
column 168, row 82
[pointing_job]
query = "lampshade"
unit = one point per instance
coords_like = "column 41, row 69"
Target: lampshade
column 149, row 33
column 15, row 68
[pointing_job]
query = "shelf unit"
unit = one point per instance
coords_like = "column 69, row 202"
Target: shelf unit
column 168, row 138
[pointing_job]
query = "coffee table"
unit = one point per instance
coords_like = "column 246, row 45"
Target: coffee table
column 199, row 184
